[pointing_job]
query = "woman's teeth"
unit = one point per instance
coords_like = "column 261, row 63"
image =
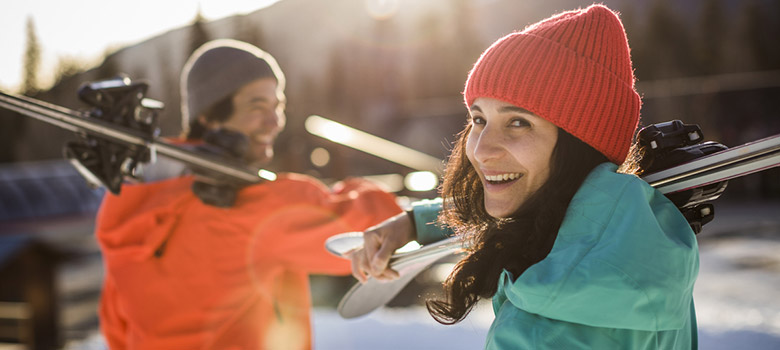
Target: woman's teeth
column 502, row 177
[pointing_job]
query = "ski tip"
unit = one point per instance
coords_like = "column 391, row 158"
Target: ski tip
column 343, row 243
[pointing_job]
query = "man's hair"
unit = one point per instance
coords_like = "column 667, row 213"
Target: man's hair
column 212, row 75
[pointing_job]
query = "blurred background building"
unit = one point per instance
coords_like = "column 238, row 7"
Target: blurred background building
column 395, row 69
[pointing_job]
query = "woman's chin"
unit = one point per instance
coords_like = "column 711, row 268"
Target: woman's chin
column 498, row 211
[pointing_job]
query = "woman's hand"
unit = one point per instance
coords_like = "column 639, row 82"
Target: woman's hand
column 379, row 243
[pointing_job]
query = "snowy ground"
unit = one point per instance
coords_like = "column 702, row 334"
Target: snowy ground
column 399, row 328
column 737, row 294
column 737, row 297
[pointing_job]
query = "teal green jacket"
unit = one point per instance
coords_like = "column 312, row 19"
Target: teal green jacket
column 620, row 275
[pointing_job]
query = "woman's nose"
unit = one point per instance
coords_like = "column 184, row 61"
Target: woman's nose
column 488, row 145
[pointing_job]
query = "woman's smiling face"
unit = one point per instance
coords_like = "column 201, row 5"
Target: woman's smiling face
column 511, row 150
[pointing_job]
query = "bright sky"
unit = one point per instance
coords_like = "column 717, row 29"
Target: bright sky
column 84, row 29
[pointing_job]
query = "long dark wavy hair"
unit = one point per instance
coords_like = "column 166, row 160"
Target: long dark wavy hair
column 513, row 243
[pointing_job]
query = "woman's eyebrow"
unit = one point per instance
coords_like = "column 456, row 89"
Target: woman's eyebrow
column 504, row 109
column 514, row 109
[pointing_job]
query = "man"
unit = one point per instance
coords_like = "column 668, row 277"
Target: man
column 184, row 274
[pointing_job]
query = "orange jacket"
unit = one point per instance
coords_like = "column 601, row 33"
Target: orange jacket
column 184, row 275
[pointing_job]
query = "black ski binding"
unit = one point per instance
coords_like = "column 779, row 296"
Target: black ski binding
column 117, row 101
column 673, row 143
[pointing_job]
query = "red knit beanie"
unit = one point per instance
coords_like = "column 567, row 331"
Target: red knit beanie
column 572, row 69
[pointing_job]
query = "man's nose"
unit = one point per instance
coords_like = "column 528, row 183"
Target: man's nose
column 272, row 120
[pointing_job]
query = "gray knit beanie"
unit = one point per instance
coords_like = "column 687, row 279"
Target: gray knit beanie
column 219, row 68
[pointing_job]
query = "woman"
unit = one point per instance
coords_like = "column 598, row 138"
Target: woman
column 573, row 252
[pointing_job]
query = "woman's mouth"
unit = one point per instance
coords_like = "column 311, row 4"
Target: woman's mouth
column 500, row 179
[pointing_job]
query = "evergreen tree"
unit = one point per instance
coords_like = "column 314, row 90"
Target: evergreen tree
column 32, row 60
column 110, row 67
column 12, row 125
column 198, row 33
column 246, row 30
column 67, row 67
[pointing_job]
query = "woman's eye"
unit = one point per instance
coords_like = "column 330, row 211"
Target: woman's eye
column 519, row 122
column 477, row 120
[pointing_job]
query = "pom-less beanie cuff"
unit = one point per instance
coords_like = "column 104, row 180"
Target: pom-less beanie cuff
column 573, row 70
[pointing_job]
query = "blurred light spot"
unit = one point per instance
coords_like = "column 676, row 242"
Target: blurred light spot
column 320, row 157
column 388, row 182
column 421, row 181
column 265, row 174
column 371, row 144
column 328, row 129
column 382, row 9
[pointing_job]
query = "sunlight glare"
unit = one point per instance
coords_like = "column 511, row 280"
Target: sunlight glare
column 371, row 144
column 328, row 129
column 382, row 9
column 419, row 181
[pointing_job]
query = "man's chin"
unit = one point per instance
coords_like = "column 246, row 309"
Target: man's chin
column 261, row 160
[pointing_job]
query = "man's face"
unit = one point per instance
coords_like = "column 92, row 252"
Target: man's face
column 258, row 113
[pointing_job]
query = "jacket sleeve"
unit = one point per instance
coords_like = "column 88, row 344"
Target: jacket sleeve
column 113, row 325
column 425, row 213
column 296, row 231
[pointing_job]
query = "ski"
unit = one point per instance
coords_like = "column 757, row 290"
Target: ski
column 734, row 162
column 709, row 170
column 364, row 298
column 123, row 121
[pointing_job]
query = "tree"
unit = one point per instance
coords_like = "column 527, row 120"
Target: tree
column 110, row 66
column 198, row 33
column 32, row 60
column 13, row 126
column 246, row 30
column 68, row 67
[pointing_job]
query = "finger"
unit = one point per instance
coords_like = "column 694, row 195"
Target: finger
column 388, row 275
column 371, row 243
column 360, row 266
column 392, row 274
column 357, row 272
column 381, row 259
